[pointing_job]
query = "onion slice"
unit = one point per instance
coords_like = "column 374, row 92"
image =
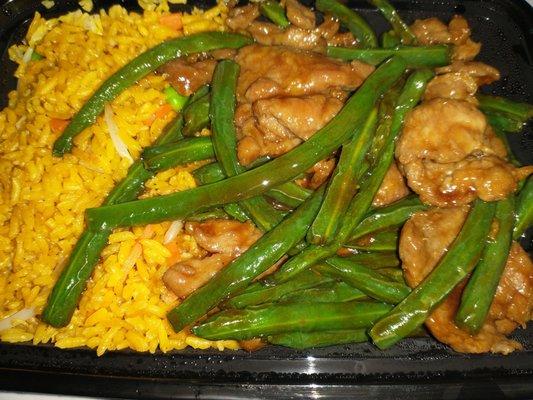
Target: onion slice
column 172, row 231
column 23, row 314
column 27, row 55
column 119, row 144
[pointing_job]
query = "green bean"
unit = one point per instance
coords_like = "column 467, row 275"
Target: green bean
column 212, row 173
column 506, row 107
column 36, row 56
column 297, row 248
column 309, row 256
column 456, row 264
column 176, row 100
column 136, row 69
column 279, row 318
column 481, row 287
column 386, row 240
column 132, row 185
column 390, row 216
column 389, row 40
column 270, row 294
column 215, row 213
column 274, row 12
column 289, row 193
column 260, row 179
column 259, row 161
column 504, row 123
column 200, row 92
column 415, row 56
column 408, row 99
column 362, row 201
column 208, row 173
column 343, row 184
column 349, row 18
column 224, row 137
column 332, row 292
column 196, row 115
column 385, row 115
column 308, row 340
column 258, row 258
column 236, row 211
column 510, row 154
column 394, row 274
column 400, row 28
column 375, row 260
column 367, row 280
column 170, row 155
column 524, row 209
column 66, row 293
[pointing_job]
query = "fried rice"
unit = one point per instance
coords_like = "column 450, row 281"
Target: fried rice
column 43, row 198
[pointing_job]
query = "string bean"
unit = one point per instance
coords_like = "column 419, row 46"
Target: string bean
column 415, row 56
column 367, row 280
column 271, row 319
column 258, row 258
column 136, row 69
column 343, row 184
column 456, row 264
column 524, row 209
column 274, row 12
column 260, row 179
column 224, row 138
column 481, row 287
column 349, row 18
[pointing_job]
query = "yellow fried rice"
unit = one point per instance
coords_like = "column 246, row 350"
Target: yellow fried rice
column 43, row 198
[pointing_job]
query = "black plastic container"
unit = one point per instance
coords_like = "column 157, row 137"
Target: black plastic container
column 414, row 369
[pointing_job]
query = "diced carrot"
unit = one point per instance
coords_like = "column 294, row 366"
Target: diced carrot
column 173, row 248
column 172, row 21
column 149, row 121
column 58, row 125
column 148, row 231
column 162, row 111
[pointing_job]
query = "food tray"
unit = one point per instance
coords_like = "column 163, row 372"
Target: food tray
column 412, row 369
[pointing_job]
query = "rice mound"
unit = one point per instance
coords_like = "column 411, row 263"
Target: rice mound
column 43, row 198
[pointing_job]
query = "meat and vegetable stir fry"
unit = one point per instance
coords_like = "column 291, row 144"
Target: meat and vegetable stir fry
column 326, row 154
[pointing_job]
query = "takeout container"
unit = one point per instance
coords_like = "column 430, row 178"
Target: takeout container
column 412, row 369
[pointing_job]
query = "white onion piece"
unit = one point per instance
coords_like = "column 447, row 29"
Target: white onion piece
column 119, row 144
column 27, row 55
column 172, row 231
column 23, row 315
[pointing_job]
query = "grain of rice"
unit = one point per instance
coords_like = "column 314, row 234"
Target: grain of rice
column 48, row 3
column 173, row 230
column 43, row 199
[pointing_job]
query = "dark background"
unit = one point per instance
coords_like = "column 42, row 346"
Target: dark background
column 414, row 369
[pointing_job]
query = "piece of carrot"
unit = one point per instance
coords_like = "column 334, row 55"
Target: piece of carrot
column 172, row 21
column 174, row 253
column 161, row 112
column 58, row 125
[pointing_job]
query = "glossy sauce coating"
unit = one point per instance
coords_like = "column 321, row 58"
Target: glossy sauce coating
column 225, row 239
column 457, row 33
column 450, row 155
column 285, row 95
column 424, row 239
